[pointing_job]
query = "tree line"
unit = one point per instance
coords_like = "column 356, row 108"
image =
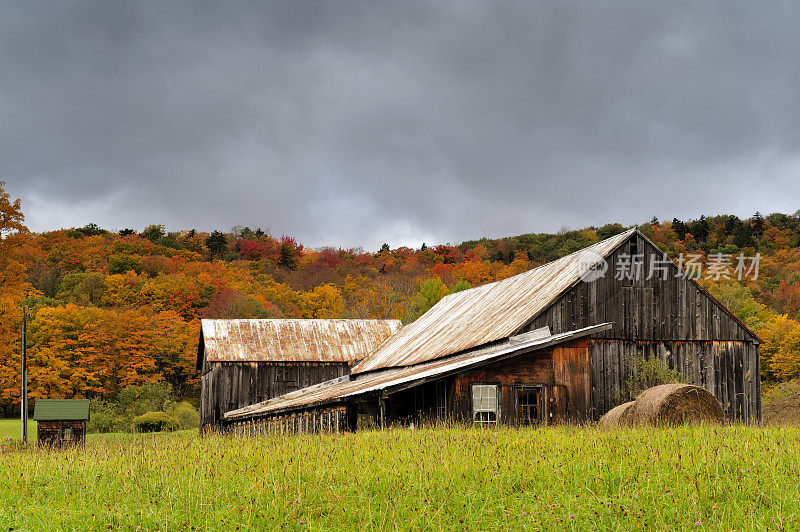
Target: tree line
column 110, row 310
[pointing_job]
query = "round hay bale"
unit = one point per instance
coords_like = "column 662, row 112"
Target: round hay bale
column 675, row 404
column 617, row 416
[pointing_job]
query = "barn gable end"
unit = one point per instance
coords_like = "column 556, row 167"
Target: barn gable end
column 676, row 308
column 671, row 318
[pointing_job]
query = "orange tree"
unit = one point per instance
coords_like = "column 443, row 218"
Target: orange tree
column 13, row 286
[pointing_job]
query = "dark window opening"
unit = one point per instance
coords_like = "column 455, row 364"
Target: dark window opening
column 441, row 400
column 419, row 400
column 634, row 243
column 530, row 405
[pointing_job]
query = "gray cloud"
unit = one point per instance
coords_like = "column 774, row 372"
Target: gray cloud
column 358, row 123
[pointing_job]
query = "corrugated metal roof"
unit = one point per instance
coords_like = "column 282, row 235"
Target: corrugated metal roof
column 61, row 409
column 294, row 340
column 399, row 378
column 486, row 313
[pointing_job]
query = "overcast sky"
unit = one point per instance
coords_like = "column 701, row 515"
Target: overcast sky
column 358, row 123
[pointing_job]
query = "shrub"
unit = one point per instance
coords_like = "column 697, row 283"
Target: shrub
column 646, row 373
column 136, row 400
column 187, row 415
column 103, row 418
column 119, row 414
column 155, row 422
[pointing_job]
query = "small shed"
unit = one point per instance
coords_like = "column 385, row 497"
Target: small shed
column 61, row 421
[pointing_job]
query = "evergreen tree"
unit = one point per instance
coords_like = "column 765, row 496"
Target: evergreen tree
column 216, row 243
column 758, row 225
column 699, row 229
column 680, row 228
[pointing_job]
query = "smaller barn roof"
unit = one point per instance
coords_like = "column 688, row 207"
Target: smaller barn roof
column 61, row 410
column 292, row 340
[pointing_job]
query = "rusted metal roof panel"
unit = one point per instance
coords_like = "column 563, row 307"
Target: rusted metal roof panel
column 294, row 340
column 486, row 313
column 394, row 378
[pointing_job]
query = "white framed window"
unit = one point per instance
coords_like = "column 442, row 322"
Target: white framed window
column 485, row 404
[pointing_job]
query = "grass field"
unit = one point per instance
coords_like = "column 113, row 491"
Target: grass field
column 781, row 404
column 699, row 478
column 9, row 428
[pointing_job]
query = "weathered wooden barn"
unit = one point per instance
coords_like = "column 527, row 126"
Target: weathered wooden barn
column 61, row 421
column 558, row 342
column 246, row 361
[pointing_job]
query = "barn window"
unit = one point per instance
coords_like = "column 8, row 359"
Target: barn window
column 485, row 403
column 530, row 402
column 66, row 433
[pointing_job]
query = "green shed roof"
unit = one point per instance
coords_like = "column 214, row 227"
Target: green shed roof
column 61, row 409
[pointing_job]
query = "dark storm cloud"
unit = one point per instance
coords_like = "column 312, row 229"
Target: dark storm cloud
column 358, row 123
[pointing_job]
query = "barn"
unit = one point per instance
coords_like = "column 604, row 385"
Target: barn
column 557, row 343
column 246, row 361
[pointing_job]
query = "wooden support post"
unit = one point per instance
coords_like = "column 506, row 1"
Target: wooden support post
column 382, row 407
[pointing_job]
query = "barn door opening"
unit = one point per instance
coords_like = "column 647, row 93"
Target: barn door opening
column 530, row 405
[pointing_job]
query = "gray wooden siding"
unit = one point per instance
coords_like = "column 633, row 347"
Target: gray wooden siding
column 230, row 385
column 730, row 370
column 654, row 309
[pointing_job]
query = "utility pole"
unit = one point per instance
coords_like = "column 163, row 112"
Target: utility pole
column 23, row 436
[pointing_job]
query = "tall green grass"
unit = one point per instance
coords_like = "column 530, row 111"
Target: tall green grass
column 568, row 478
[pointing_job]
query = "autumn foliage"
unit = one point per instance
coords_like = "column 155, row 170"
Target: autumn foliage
column 110, row 310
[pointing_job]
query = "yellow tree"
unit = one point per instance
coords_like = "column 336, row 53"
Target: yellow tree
column 780, row 353
column 173, row 347
column 324, row 302
column 373, row 299
column 430, row 292
column 122, row 290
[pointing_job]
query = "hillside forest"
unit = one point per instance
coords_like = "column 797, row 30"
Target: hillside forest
column 109, row 310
